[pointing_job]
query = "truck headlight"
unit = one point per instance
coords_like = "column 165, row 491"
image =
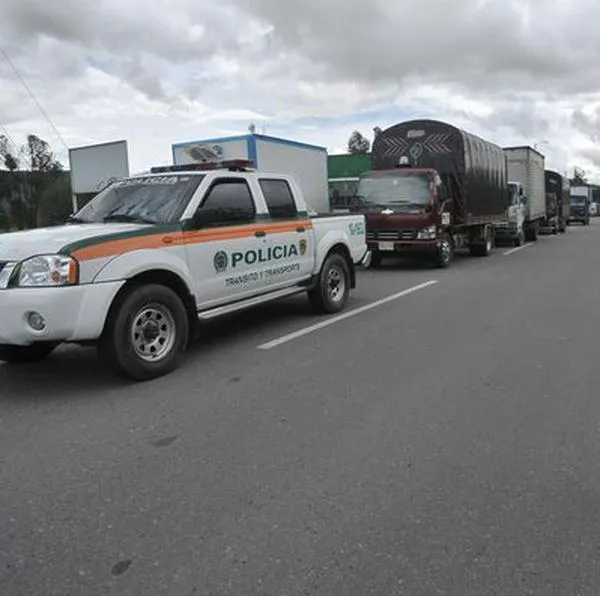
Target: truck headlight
column 46, row 271
column 429, row 233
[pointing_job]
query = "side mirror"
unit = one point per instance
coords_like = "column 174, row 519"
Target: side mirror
column 205, row 217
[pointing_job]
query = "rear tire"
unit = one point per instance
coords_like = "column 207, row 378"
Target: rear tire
column 26, row 354
column 146, row 334
column 483, row 248
column 332, row 291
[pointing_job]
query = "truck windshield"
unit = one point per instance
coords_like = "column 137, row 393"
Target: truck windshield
column 149, row 200
column 398, row 191
column 515, row 196
column 577, row 200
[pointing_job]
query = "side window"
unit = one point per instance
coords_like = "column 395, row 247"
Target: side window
column 228, row 201
column 279, row 198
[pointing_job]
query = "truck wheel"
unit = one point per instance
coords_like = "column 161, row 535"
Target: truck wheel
column 146, row 335
column 332, row 291
column 26, row 354
column 531, row 234
column 520, row 239
column 376, row 259
column 483, row 248
column 444, row 253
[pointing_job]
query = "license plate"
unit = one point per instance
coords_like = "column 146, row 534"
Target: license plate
column 386, row 246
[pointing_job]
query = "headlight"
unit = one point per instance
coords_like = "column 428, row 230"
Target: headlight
column 46, row 271
column 429, row 233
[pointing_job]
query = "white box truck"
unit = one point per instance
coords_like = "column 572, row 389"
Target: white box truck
column 581, row 197
column 525, row 166
column 306, row 163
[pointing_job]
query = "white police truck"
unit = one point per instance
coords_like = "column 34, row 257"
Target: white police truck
column 151, row 256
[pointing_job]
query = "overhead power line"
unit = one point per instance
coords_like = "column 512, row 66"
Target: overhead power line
column 33, row 97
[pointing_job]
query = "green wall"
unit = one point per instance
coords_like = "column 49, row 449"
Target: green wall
column 346, row 165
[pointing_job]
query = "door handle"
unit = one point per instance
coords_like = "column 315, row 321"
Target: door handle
column 300, row 229
column 260, row 234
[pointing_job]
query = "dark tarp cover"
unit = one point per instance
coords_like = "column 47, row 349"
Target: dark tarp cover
column 472, row 169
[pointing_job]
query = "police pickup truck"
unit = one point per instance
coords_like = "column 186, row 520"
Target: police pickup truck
column 151, row 256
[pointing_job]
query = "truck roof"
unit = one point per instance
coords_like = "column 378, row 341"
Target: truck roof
column 528, row 147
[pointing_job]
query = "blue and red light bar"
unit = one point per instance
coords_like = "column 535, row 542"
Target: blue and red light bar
column 233, row 165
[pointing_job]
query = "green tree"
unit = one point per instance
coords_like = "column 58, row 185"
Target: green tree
column 34, row 187
column 579, row 177
column 357, row 144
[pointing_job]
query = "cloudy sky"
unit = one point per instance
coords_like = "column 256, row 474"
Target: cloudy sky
column 164, row 71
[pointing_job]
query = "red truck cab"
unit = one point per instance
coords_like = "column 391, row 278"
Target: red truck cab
column 407, row 211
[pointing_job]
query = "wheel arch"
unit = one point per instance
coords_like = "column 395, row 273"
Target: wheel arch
column 162, row 277
column 342, row 249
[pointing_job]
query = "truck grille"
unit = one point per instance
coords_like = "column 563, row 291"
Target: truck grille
column 392, row 235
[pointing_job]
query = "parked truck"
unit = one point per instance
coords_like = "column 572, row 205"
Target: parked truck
column 580, row 205
column 307, row 164
column 433, row 189
column 344, row 171
column 525, row 167
column 558, row 201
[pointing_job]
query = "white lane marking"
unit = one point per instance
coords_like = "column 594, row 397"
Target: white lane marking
column 518, row 248
column 351, row 313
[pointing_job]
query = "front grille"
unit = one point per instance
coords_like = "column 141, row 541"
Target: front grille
column 392, row 235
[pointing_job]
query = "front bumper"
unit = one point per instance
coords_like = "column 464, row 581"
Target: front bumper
column 510, row 231
column 406, row 247
column 75, row 313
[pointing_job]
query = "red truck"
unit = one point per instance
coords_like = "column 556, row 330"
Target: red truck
column 433, row 189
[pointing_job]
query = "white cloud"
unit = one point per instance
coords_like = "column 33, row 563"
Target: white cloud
column 166, row 71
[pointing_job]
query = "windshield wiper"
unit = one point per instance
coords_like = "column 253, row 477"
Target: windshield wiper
column 77, row 220
column 125, row 218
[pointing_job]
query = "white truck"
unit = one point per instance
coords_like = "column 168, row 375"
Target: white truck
column 151, row 256
column 306, row 163
column 581, row 197
column 527, row 211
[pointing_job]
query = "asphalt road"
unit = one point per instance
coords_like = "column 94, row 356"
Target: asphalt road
column 444, row 442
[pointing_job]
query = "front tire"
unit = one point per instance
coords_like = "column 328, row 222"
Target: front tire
column 444, row 253
column 520, row 239
column 332, row 291
column 531, row 234
column 26, row 354
column 376, row 259
column 147, row 333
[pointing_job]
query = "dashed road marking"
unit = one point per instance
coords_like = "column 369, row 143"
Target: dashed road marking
column 351, row 313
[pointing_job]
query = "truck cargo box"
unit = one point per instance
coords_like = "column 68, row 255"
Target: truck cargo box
column 306, row 163
column 526, row 165
column 473, row 170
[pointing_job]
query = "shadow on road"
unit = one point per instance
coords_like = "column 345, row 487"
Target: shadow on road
column 67, row 372
column 72, row 371
column 422, row 264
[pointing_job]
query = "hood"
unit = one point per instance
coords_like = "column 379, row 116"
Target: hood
column 16, row 246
